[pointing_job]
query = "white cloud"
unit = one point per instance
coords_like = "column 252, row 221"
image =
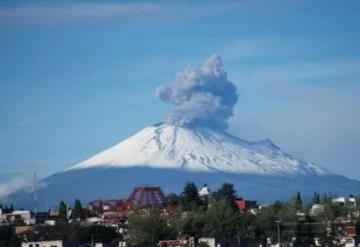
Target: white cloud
column 13, row 183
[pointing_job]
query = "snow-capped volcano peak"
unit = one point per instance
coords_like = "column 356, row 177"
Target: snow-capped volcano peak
column 201, row 150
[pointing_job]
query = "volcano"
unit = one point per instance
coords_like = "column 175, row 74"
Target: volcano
column 199, row 150
column 169, row 156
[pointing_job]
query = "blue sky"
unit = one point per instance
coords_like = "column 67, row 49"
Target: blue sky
column 79, row 76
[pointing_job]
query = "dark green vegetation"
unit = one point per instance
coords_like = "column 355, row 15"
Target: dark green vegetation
column 73, row 233
column 214, row 216
column 219, row 217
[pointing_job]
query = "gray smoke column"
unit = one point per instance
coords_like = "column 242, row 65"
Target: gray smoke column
column 202, row 96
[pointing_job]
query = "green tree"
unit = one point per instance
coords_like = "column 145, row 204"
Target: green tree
column 59, row 231
column 147, row 228
column 327, row 235
column 190, row 197
column 221, row 219
column 63, row 210
column 265, row 221
column 94, row 233
column 15, row 241
column 316, row 198
column 304, row 232
column 173, row 199
column 190, row 222
column 78, row 212
column 298, row 201
column 6, row 233
column 226, row 193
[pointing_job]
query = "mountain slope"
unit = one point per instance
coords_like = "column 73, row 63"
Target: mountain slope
column 201, row 150
column 114, row 183
column 169, row 156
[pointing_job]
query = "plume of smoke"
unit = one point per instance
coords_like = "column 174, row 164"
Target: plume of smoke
column 202, row 96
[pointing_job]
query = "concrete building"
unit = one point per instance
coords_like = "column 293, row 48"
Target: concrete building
column 317, row 209
column 20, row 217
column 244, row 205
column 180, row 241
column 351, row 200
column 220, row 242
column 204, row 191
column 54, row 243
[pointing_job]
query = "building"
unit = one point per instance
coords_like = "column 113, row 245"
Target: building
column 351, row 237
column 244, row 205
column 180, row 241
column 351, row 200
column 317, row 209
column 46, row 218
column 54, row 243
column 20, row 217
column 205, row 191
column 220, row 242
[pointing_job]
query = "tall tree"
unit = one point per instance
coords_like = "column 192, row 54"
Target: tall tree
column 6, row 233
column 304, row 232
column 78, row 211
column 221, row 219
column 316, row 198
column 96, row 233
column 190, row 196
column 298, row 201
column 226, row 193
column 147, row 228
column 63, row 210
column 327, row 235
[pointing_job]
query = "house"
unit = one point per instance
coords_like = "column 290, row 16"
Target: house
column 317, row 209
column 54, row 243
column 204, row 191
column 46, row 218
column 244, row 205
column 180, row 241
column 351, row 200
column 20, row 217
column 23, row 229
column 351, row 237
column 220, row 242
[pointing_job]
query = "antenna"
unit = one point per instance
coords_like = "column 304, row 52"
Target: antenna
column 35, row 187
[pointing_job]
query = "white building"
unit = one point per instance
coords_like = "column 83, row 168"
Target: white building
column 317, row 209
column 54, row 243
column 24, row 215
column 205, row 191
column 345, row 200
column 220, row 242
column 349, row 241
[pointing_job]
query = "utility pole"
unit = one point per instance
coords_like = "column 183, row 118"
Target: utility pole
column 278, row 231
column 35, row 193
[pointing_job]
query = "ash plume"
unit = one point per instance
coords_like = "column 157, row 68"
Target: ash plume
column 201, row 96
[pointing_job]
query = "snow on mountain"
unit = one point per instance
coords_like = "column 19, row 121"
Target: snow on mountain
column 200, row 150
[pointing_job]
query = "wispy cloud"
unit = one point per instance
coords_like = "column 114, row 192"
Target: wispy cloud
column 46, row 13
column 10, row 183
column 257, row 48
column 298, row 72
column 69, row 12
